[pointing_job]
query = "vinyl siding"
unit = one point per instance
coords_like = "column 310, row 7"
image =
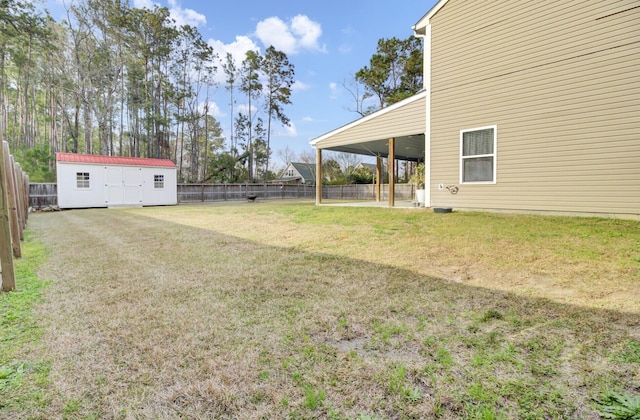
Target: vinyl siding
column 407, row 119
column 560, row 80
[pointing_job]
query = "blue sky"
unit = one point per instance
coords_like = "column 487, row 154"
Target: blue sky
column 327, row 41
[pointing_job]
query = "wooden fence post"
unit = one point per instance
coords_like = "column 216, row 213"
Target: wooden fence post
column 22, row 214
column 12, row 198
column 6, row 255
column 23, row 211
column 25, row 196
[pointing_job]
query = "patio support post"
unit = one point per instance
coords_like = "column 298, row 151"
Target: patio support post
column 318, row 177
column 378, row 178
column 392, row 171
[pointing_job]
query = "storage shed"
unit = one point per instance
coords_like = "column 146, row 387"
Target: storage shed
column 112, row 181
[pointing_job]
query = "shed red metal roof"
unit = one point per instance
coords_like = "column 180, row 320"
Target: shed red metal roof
column 112, row 160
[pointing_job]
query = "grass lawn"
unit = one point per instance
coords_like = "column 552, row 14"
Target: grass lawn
column 288, row 310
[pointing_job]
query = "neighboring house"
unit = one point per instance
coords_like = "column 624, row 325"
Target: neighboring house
column 527, row 106
column 298, row 173
column 110, row 181
column 371, row 167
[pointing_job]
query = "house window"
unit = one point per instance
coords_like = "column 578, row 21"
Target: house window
column 82, row 180
column 478, row 155
column 289, row 172
column 158, row 181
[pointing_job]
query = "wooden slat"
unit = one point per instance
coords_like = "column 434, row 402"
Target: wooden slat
column 6, row 254
column 12, row 200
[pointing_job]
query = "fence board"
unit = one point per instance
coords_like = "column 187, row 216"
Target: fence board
column 6, row 254
column 12, row 201
column 45, row 194
column 237, row 192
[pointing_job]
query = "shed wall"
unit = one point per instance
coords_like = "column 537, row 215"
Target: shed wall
column 560, row 81
column 115, row 185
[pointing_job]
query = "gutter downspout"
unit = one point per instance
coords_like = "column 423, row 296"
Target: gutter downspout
column 426, row 80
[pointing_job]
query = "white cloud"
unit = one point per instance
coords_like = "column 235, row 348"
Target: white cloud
column 333, row 86
column 143, row 4
column 348, row 30
column 238, row 49
column 178, row 14
column 185, row 16
column 273, row 31
column 301, row 33
column 287, row 131
column 308, row 119
column 308, row 31
column 345, row 49
column 244, row 109
column 214, row 110
column 299, row 86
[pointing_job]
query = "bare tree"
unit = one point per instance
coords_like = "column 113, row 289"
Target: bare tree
column 307, row 157
column 347, row 161
column 286, row 155
column 358, row 93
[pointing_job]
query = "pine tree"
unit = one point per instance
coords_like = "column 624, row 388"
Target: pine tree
column 279, row 74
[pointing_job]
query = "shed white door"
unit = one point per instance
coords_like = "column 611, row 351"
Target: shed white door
column 123, row 186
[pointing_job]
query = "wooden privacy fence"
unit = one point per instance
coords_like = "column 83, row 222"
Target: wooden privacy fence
column 189, row 193
column 14, row 205
column 43, row 195
column 366, row 192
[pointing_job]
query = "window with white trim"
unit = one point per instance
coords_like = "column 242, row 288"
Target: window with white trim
column 82, row 180
column 158, row 181
column 478, row 155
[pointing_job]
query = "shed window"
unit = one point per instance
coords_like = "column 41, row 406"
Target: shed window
column 158, row 181
column 82, row 180
column 478, row 155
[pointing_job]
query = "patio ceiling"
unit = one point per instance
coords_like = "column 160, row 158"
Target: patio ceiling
column 405, row 121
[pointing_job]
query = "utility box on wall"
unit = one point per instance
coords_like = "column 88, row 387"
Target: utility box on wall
column 112, row 181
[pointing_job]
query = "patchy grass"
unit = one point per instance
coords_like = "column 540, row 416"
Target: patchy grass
column 23, row 378
column 290, row 310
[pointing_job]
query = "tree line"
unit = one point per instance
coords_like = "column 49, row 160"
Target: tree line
column 115, row 80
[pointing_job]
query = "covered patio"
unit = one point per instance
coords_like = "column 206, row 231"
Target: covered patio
column 395, row 133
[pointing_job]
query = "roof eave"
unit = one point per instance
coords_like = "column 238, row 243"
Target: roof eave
column 420, row 27
column 371, row 116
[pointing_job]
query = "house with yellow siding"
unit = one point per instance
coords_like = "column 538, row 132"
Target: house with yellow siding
column 527, row 106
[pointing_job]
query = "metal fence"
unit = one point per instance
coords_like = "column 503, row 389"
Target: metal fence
column 42, row 195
